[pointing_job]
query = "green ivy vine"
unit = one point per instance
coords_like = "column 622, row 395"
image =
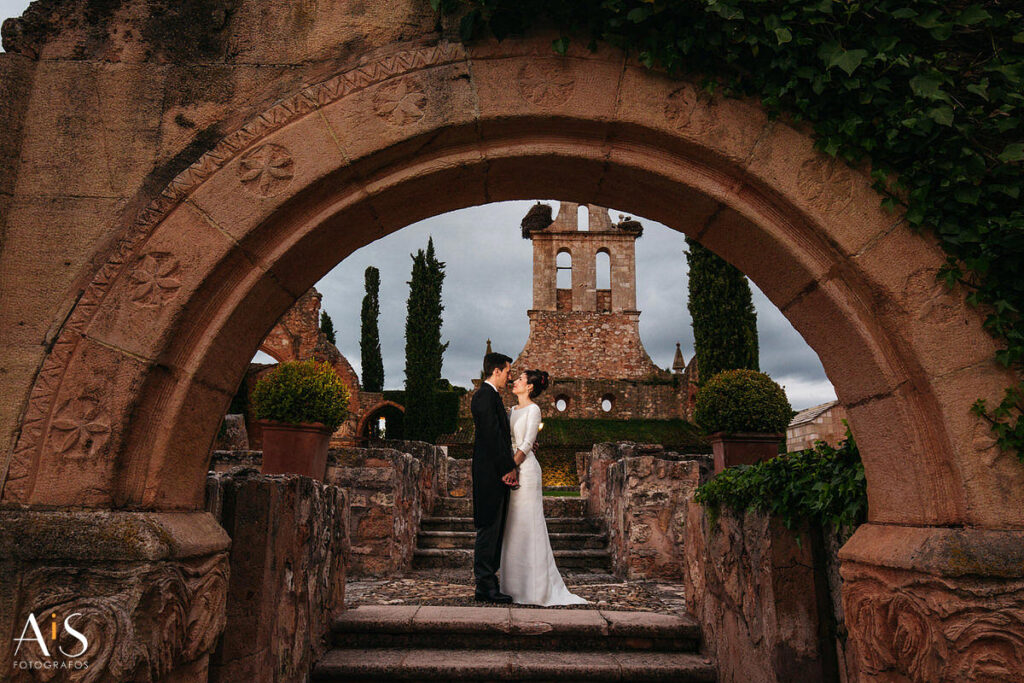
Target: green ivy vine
column 931, row 92
column 822, row 485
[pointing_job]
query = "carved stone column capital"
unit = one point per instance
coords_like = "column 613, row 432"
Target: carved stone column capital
column 144, row 592
column 935, row 604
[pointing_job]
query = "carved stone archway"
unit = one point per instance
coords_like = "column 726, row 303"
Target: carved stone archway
column 125, row 403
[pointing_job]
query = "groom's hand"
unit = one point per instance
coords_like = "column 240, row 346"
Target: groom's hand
column 510, row 478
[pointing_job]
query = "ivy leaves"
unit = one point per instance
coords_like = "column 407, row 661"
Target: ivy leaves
column 930, row 92
column 823, row 485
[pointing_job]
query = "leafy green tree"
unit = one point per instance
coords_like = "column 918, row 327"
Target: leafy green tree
column 724, row 320
column 327, row 327
column 369, row 339
column 423, row 348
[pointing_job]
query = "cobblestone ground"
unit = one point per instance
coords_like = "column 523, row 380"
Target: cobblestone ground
column 455, row 588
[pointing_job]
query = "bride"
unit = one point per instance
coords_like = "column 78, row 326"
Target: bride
column 528, row 571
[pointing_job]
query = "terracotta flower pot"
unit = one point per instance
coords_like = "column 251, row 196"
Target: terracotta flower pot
column 743, row 448
column 295, row 448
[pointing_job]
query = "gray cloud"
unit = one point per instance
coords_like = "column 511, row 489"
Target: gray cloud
column 488, row 289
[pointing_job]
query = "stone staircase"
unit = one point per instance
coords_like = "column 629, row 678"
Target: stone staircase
column 384, row 642
column 580, row 543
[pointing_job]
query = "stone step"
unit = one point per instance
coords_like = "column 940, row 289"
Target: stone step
column 502, row 665
column 512, row 628
column 553, row 507
column 465, row 539
column 556, row 525
column 461, row 558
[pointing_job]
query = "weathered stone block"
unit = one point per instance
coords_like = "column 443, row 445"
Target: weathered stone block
column 290, row 542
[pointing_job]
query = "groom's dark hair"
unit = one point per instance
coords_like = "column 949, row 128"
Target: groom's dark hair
column 494, row 361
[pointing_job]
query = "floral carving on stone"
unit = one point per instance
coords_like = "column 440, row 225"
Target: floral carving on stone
column 81, row 428
column 545, row 83
column 266, row 170
column 827, row 183
column 155, row 279
column 400, row 102
column 924, row 293
column 928, row 629
column 141, row 621
column 679, row 106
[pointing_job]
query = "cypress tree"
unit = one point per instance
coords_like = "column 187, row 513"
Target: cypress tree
column 369, row 339
column 423, row 348
column 327, row 327
column 724, row 320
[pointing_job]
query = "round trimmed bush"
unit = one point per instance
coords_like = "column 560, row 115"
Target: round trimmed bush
column 737, row 401
column 301, row 392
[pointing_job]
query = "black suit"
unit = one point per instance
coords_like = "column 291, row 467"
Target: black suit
column 492, row 459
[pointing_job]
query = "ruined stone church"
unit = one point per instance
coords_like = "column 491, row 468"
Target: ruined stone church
column 584, row 332
column 586, row 335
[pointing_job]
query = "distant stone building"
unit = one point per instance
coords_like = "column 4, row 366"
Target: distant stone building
column 819, row 423
column 297, row 336
column 584, row 332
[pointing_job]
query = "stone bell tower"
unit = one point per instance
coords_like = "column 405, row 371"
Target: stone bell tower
column 576, row 329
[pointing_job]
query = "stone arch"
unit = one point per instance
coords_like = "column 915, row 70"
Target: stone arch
column 274, row 353
column 371, row 412
column 129, row 394
column 808, row 230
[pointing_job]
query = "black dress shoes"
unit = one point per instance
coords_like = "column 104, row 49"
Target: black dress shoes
column 492, row 595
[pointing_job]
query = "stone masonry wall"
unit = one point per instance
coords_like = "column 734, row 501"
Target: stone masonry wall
column 434, row 463
column 384, row 507
column 287, row 573
column 629, row 399
column 388, row 489
column 642, row 492
column 762, row 596
column 587, row 344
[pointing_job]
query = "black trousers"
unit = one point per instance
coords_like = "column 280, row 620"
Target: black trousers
column 487, row 549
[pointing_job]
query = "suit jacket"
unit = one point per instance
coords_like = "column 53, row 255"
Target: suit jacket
column 492, row 454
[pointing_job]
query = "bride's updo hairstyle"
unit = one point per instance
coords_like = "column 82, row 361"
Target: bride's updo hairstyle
column 538, row 380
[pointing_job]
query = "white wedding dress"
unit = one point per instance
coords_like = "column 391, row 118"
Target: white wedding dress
column 528, row 572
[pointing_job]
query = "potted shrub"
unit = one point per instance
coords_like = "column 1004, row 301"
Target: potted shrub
column 745, row 414
column 298, row 405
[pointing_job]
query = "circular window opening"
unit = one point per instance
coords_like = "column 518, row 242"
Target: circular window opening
column 607, row 402
column 561, row 403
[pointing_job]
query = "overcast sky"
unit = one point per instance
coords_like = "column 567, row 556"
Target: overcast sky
column 488, row 289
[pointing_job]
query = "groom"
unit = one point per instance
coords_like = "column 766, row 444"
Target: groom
column 494, row 471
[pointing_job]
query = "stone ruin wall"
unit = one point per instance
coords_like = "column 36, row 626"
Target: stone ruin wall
column 587, row 344
column 297, row 336
column 641, row 491
column 630, row 399
column 767, row 597
column 289, row 549
column 388, row 491
column 769, row 600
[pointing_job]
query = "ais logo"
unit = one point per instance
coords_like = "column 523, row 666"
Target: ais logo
column 50, row 647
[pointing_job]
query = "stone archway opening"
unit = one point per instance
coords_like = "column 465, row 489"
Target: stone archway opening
column 131, row 390
column 381, row 422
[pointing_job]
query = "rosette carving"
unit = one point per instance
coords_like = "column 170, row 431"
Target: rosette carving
column 827, row 183
column 266, row 170
column 81, row 428
column 156, row 279
column 400, row 102
column 545, row 83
